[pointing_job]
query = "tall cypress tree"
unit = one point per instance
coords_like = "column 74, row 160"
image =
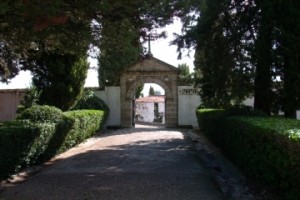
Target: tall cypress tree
column 288, row 22
column 59, row 79
column 263, row 52
column 221, row 53
column 119, row 48
column 245, row 47
column 123, row 24
column 151, row 91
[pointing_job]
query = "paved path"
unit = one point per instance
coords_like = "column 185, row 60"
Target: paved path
column 125, row 164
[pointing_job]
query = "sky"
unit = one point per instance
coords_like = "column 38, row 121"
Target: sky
column 160, row 49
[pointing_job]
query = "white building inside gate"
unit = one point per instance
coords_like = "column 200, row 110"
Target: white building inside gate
column 150, row 109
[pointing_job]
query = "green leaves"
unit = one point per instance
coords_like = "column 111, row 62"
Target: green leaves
column 293, row 134
column 57, row 75
column 138, row 92
column 40, row 133
column 267, row 149
column 185, row 77
column 123, row 24
column 30, row 27
column 246, row 48
column 39, row 113
column 4, row 7
column 221, row 55
column 119, row 46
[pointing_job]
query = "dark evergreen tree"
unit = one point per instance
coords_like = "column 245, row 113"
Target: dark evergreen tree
column 288, row 26
column 246, row 47
column 138, row 92
column 277, row 56
column 123, row 24
column 185, row 77
column 263, row 54
column 151, row 91
column 222, row 60
column 59, row 79
column 119, row 47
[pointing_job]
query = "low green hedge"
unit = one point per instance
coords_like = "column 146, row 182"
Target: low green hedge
column 21, row 144
column 25, row 142
column 38, row 113
column 79, row 125
column 90, row 101
column 266, row 148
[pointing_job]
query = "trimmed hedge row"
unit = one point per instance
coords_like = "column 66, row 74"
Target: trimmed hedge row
column 80, row 125
column 89, row 100
column 39, row 113
column 21, row 143
column 36, row 136
column 266, row 148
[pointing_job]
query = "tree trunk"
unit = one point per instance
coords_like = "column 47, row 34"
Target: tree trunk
column 288, row 21
column 290, row 89
column 262, row 86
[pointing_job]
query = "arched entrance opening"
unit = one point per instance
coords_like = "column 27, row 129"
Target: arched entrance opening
column 149, row 70
column 149, row 106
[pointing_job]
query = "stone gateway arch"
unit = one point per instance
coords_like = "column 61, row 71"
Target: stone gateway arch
column 149, row 70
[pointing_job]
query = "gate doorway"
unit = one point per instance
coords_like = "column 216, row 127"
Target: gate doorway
column 150, row 106
column 149, row 70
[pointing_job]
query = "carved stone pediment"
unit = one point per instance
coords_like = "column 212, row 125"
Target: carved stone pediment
column 151, row 64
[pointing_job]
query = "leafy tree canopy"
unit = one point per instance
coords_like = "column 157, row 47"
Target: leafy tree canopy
column 32, row 25
column 123, row 25
column 246, row 47
column 65, row 26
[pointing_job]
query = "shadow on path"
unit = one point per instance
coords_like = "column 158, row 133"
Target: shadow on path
column 123, row 164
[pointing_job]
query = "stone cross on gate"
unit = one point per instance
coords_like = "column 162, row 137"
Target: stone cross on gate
column 149, row 44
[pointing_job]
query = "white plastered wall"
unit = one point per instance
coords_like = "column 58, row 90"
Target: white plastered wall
column 111, row 96
column 187, row 105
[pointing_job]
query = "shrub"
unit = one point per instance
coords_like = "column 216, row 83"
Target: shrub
column 266, row 148
column 79, row 125
column 21, row 144
column 75, row 127
column 39, row 113
column 34, row 138
column 30, row 99
column 207, row 120
column 90, row 101
column 242, row 110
